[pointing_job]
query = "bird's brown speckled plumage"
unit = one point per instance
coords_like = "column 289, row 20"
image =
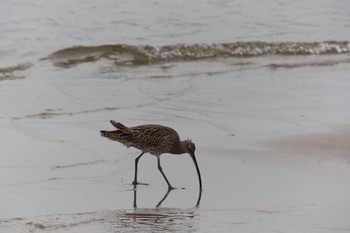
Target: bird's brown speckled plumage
column 154, row 139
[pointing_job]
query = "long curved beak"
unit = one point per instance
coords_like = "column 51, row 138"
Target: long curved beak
column 198, row 172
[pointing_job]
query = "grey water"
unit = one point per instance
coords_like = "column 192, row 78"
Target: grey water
column 32, row 26
column 41, row 25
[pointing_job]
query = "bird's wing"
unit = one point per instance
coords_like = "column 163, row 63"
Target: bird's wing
column 154, row 137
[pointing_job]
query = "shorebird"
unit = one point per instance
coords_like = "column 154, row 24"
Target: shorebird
column 153, row 139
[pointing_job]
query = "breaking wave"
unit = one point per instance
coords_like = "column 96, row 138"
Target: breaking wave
column 123, row 54
column 11, row 72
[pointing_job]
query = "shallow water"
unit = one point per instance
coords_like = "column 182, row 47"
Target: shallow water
column 262, row 90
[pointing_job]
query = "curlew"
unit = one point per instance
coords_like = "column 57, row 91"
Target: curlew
column 153, row 139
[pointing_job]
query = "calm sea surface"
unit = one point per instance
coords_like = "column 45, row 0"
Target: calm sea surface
column 32, row 30
column 49, row 25
column 139, row 32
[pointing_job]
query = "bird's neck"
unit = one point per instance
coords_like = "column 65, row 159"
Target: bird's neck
column 180, row 149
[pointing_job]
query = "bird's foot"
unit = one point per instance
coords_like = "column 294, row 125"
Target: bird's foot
column 137, row 183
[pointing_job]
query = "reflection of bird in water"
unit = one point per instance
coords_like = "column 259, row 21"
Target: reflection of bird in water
column 154, row 139
column 164, row 197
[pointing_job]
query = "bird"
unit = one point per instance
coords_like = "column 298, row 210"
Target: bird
column 153, row 139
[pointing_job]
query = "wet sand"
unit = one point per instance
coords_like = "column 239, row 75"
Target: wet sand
column 287, row 184
column 272, row 146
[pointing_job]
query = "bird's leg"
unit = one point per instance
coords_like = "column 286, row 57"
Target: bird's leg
column 136, row 163
column 161, row 171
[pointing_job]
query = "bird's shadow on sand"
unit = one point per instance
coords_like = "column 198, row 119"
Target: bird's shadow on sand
column 164, row 197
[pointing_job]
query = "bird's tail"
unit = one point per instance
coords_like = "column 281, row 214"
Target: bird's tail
column 116, row 135
column 118, row 125
column 121, row 135
column 105, row 133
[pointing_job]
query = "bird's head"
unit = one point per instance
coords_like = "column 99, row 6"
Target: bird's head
column 189, row 147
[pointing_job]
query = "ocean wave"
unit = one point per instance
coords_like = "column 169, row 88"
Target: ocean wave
column 123, row 54
column 11, row 72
